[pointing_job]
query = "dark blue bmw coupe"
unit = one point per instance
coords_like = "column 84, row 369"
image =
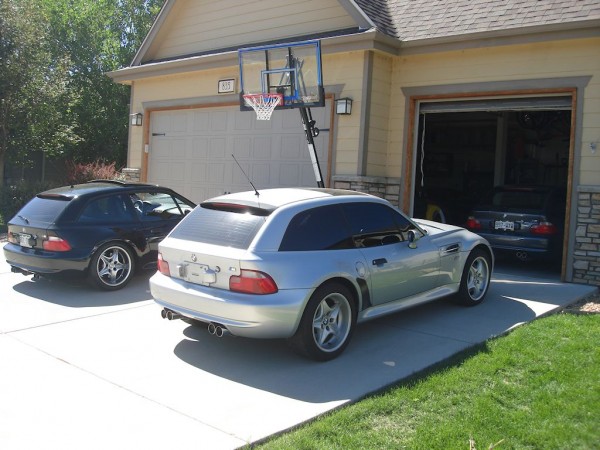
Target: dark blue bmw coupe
column 103, row 229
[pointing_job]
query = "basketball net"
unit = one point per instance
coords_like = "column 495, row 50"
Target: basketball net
column 263, row 104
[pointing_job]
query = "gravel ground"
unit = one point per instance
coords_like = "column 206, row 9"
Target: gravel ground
column 588, row 305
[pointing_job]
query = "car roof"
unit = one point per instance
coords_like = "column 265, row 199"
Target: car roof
column 271, row 199
column 93, row 187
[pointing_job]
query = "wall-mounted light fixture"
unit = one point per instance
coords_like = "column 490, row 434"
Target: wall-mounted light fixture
column 136, row 119
column 343, row 106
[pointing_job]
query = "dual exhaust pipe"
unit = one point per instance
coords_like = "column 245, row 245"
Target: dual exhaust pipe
column 522, row 256
column 169, row 315
column 218, row 330
column 214, row 329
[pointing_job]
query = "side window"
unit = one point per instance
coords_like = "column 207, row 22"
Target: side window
column 106, row 209
column 159, row 206
column 375, row 224
column 322, row 228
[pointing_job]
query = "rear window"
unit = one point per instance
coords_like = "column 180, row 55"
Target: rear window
column 43, row 210
column 218, row 227
column 519, row 199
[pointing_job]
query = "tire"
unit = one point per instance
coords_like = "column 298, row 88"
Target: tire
column 112, row 267
column 475, row 280
column 327, row 323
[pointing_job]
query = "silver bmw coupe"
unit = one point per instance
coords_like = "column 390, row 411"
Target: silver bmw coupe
column 309, row 264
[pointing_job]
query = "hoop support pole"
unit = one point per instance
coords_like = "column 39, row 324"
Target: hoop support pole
column 311, row 132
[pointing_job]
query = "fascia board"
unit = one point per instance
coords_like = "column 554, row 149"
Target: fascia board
column 369, row 40
column 362, row 20
column 154, row 29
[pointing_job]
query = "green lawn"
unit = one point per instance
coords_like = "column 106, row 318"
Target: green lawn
column 536, row 388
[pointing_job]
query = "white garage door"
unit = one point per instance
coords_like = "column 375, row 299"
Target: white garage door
column 190, row 150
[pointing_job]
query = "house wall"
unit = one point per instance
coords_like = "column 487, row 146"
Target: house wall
column 536, row 61
column 344, row 72
column 569, row 58
column 201, row 25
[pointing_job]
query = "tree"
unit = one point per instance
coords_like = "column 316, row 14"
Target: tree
column 35, row 96
column 54, row 93
column 99, row 36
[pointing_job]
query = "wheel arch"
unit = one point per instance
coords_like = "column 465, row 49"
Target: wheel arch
column 130, row 245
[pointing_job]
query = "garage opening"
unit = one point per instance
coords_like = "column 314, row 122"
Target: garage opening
column 466, row 150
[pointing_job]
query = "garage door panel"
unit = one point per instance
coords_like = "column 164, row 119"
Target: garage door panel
column 179, row 123
column 241, row 147
column 261, row 147
column 218, row 121
column 261, row 175
column 243, row 122
column 216, row 148
column 200, row 148
column 195, row 152
column 289, row 175
column 201, row 120
column 198, row 172
column 293, row 147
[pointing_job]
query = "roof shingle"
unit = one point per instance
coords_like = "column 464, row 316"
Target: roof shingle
column 409, row 20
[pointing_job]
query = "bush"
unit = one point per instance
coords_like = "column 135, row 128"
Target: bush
column 78, row 173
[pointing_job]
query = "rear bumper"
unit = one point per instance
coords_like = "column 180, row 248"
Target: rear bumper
column 39, row 261
column 518, row 243
column 254, row 316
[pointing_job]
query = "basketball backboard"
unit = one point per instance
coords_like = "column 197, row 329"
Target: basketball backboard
column 292, row 70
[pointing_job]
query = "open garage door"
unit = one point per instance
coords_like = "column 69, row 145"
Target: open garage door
column 191, row 150
column 468, row 148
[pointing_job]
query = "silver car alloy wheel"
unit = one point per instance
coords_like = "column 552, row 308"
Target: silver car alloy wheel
column 332, row 322
column 114, row 265
column 478, row 278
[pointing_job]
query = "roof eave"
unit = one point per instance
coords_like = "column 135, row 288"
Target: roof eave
column 512, row 36
column 367, row 40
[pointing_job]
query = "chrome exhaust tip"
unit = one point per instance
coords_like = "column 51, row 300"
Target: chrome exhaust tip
column 169, row 315
column 218, row 330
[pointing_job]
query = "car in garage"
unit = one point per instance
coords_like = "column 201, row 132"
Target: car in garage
column 308, row 264
column 103, row 230
column 527, row 221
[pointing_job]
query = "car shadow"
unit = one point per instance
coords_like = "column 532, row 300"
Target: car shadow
column 381, row 352
column 77, row 293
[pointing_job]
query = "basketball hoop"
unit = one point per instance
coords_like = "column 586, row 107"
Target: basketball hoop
column 263, row 104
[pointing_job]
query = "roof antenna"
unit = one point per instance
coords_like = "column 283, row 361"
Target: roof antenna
column 247, row 178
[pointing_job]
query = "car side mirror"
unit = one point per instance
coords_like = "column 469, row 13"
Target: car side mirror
column 413, row 237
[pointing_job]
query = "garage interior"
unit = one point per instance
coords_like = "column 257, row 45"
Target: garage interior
column 467, row 148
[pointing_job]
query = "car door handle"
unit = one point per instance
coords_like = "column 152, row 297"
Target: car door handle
column 379, row 262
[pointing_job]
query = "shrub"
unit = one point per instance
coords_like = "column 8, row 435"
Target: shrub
column 98, row 170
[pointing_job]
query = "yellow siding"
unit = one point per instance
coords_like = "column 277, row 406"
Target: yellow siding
column 569, row 58
column 346, row 70
column 386, row 135
column 201, row 25
column 379, row 118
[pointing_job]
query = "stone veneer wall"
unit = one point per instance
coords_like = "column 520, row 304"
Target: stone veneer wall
column 387, row 188
column 586, row 257
column 130, row 174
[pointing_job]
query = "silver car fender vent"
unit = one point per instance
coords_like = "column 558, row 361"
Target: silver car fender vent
column 450, row 249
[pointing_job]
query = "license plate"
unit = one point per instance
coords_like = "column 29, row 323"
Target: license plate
column 200, row 274
column 24, row 240
column 504, row 225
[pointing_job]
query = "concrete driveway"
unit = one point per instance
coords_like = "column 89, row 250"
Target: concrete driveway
column 80, row 368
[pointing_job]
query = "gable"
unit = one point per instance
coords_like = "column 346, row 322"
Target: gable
column 192, row 27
